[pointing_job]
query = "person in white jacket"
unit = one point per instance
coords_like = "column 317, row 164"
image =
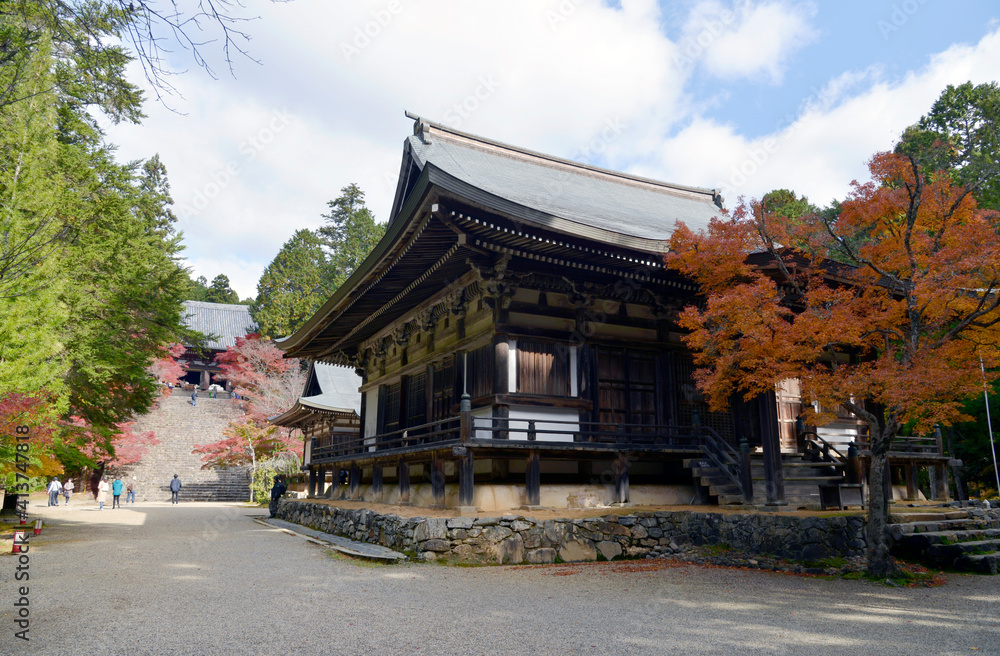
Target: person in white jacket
column 68, row 489
column 102, row 493
column 55, row 487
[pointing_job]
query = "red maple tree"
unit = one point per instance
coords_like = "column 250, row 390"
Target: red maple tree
column 268, row 384
column 885, row 308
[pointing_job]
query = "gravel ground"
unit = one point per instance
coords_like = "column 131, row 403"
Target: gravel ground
column 203, row 578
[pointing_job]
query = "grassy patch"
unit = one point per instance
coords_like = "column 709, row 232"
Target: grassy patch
column 835, row 562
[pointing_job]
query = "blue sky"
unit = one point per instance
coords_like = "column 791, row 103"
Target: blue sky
column 740, row 95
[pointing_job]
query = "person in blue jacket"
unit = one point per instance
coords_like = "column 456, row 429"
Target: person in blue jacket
column 116, row 492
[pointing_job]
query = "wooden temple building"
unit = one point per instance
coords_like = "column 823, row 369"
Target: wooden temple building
column 515, row 337
column 222, row 323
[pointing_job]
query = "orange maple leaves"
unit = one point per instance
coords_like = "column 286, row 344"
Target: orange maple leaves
column 894, row 299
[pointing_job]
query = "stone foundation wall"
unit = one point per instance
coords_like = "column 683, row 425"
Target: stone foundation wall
column 512, row 539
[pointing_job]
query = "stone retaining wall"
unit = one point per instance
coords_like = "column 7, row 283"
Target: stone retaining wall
column 515, row 539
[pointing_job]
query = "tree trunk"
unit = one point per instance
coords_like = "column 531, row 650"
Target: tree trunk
column 880, row 561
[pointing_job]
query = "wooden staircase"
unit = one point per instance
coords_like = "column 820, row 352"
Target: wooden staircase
column 963, row 540
column 712, row 484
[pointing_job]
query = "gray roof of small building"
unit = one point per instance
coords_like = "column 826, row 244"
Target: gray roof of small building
column 340, row 389
column 586, row 195
column 223, row 320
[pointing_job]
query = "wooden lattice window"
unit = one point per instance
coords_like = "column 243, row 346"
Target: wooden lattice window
column 542, row 368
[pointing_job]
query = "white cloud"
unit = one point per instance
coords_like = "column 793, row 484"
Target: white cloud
column 828, row 145
column 575, row 78
column 746, row 40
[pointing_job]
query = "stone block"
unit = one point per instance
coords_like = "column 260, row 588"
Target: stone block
column 542, row 556
column 431, row 528
column 511, row 550
column 460, row 522
column 520, row 525
column 574, row 550
column 436, row 545
column 610, row 550
column 496, row 533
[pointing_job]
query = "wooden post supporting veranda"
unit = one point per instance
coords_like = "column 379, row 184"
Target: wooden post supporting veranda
column 532, row 473
column 774, row 479
column 437, row 480
column 355, row 481
column 403, row 479
column 911, row 482
column 466, row 468
column 312, row 481
column 621, row 478
column 377, row 483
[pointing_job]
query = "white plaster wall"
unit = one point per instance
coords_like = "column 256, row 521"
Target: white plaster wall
column 481, row 431
column 543, row 418
column 493, row 498
column 371, row 416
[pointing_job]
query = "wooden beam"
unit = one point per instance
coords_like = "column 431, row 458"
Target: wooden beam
column 377, row 483
column 532, row 479
column 774, row 479
column 403, row 478
column 621, row 478
column 437, row 480
column 466, row 480
column 355, row 480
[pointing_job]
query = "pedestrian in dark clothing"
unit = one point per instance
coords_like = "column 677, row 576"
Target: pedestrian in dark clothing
column 175, row 490
column 194, row 397
column 279, row 489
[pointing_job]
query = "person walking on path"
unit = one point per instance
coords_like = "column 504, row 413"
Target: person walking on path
column 130, row 491
column 68, row 489
column 102, row 493
column 55, row 487
column 194, row 397
column 116, row 493
column 277, row 490
column 175, row 490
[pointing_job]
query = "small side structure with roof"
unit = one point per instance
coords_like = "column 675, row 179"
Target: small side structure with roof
column 222, row 323
column 515, row 333
column 327, row 413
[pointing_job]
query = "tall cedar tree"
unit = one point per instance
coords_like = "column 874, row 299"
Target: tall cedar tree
column 293, row 286
column 897, row 341
column 220, row 292
column 350, row 234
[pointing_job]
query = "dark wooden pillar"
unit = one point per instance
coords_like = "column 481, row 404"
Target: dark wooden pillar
column 355, row 480
column 532, row 479
column 911, row 482
column 377, row 483
column 312, row 481
column 501, row 385
column 746, row 471
column 437, row 480
column 403, row 478
column 621, row 478
column 204, row 382
column 941, row 491
column 466, row 480
column 774, row 479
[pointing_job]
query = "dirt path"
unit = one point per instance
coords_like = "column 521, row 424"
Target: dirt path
column 203, row 578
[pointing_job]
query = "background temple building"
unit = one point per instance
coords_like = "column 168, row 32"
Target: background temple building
column 515, row 336
column 222, row 323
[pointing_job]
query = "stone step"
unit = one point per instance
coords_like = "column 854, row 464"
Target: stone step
column 730, row 499
column 968, row 524
column 944, row 553
column 979, row 563
column 918, row 542
column 817, row 480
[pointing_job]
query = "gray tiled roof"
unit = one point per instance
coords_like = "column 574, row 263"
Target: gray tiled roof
column 586, row 195
column 225, row 321
column 340, row 388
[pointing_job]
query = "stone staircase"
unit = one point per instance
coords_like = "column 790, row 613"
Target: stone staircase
column 179, row 427
column 962, row 539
